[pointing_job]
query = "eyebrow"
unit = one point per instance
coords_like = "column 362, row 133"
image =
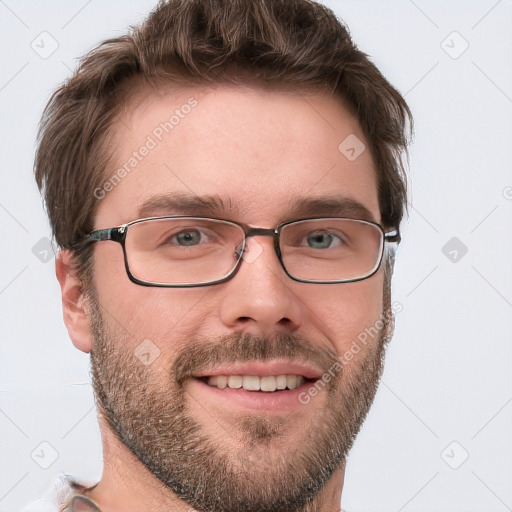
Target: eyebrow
column 181, row 204
column 217, row 206
column 339, row 206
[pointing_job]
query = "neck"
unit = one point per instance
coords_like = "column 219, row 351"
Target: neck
column 127, row 485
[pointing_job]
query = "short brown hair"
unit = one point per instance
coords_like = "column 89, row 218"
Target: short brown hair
column 295, row 42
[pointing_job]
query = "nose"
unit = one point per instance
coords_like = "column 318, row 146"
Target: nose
column 261, row 299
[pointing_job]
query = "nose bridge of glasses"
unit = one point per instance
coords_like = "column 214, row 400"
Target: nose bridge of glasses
column 260, row 232
column 252, row 232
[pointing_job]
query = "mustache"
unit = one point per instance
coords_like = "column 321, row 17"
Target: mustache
column 205, row 354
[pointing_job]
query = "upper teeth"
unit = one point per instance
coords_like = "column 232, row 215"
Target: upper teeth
column 255, row 383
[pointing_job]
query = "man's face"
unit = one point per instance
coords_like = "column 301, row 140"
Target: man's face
column 264, row 156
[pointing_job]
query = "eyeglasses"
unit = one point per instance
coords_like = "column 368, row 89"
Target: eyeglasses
column 180, row 251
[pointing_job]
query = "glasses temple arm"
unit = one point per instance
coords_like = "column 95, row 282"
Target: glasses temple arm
column 393, row 236
column 114, row 234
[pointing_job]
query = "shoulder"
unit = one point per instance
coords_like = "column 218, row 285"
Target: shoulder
column 58, row 497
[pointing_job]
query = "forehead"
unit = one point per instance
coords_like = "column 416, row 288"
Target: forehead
column 256, row 155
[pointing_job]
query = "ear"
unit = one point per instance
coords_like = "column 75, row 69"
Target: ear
column 74, row 305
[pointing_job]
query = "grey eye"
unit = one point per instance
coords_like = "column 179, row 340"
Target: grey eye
column 322, row 240
column 187, row 238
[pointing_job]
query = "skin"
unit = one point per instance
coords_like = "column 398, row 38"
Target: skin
column 260, row 150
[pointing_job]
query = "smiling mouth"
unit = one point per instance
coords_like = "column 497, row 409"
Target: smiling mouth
column 268, row 384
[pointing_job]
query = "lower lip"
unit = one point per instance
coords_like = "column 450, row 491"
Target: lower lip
column 276, row 401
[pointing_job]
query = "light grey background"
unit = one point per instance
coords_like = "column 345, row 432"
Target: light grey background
column 446, row 392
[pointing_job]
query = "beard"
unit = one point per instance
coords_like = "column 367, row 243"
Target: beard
column 262, row 468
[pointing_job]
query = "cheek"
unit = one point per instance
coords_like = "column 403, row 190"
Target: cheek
column 161, row 315
column 346, row 312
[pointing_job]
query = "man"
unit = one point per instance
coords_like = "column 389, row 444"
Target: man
column 226, row 185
